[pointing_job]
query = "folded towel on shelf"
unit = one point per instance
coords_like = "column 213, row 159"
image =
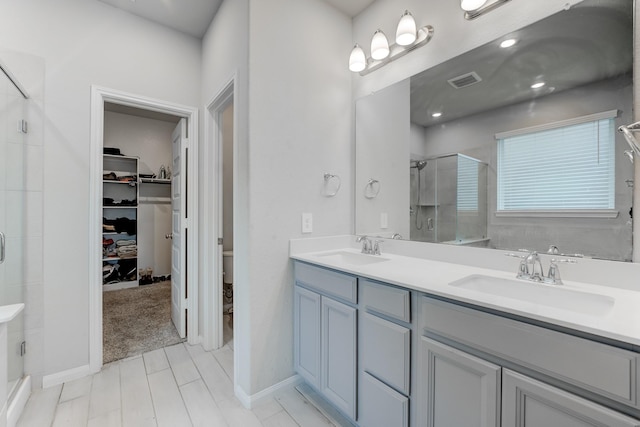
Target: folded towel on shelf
column 121, row 243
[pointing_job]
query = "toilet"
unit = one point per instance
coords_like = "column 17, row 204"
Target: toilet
column 227, row 282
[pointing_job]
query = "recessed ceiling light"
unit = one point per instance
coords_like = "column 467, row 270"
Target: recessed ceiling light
column 436, row 115
column 537, row 85
column 508, row 43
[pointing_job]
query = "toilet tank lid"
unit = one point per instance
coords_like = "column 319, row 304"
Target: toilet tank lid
column 227, row 253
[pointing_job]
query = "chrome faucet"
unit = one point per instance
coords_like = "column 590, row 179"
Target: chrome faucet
column 530, row 268
column 534, row 267
column 366, row 244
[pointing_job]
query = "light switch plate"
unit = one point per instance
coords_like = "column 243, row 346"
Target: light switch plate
column 307, row 222
column 384, row 220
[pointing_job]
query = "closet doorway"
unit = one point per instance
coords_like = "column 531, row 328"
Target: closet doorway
column 144, row 165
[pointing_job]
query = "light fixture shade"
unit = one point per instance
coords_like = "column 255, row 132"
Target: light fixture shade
column 357, row 60
column 379, row 45
column 406, row 32
column 469, row 5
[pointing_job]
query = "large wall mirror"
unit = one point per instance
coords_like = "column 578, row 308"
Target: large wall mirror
column 511, row 145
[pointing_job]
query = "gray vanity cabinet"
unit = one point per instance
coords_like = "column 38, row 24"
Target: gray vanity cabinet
column 530, row 403
column 580, row 375
column 456, row 388
column 325, row 333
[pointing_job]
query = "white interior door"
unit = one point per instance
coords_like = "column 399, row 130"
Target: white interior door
column 178, row 228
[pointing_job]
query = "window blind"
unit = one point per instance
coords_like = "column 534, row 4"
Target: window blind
column 467, row 184
column 564, row 168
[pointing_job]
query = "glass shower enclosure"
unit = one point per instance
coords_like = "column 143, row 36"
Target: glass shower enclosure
column 21, row 209
column 449, row 200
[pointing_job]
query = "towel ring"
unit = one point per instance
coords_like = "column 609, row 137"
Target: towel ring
column 372, row 189
column 327, row 179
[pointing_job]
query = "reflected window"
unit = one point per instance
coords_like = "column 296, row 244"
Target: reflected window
column 566, row 166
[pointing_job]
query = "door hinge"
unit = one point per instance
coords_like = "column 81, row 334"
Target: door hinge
column 219, row 240
column 23, row 348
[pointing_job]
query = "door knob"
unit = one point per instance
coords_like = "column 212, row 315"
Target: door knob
column 168, row 236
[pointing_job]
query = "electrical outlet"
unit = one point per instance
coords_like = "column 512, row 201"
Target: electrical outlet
column 384, row 220
column 307, row 222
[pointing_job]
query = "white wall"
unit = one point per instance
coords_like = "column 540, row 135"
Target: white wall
column 85, row 43
column 225, row 56
column 150, row 141
column 300, row 128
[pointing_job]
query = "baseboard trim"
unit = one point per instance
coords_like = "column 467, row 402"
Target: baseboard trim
column 64, row 376
column 250, row 401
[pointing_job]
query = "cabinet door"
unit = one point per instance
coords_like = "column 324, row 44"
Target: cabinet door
column 530, row 403
column 306, row 330
column 456, row 389
column 339, row 355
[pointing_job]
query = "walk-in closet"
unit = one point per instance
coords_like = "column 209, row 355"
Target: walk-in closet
column 136, row 231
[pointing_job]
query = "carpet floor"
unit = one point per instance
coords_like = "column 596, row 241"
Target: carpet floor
column 137, row 320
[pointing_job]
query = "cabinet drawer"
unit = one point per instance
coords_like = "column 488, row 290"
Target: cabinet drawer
column 381, row 406
column 386, row 351
column 386, row 300
column 327, row 282
column 608, row 371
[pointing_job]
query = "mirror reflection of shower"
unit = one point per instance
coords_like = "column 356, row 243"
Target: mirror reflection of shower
column 418, row 165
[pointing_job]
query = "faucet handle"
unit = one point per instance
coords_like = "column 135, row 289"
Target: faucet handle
column 523, row 269
column 376, row 247
column 554, row 272
column 511, row 254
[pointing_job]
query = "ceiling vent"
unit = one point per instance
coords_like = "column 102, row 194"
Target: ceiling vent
column 465, row 80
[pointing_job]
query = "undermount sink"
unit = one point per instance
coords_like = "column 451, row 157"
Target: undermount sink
column 353, row 258
column 555, row 296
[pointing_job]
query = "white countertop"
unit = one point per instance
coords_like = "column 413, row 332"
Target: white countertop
column 621, row 322
column 9, row 312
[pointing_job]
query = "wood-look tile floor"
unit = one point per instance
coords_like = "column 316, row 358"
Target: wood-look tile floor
column 180, row 385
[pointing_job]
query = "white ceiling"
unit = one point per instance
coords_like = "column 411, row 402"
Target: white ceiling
column 188, row 16
column 350, row 7
column 194, row 16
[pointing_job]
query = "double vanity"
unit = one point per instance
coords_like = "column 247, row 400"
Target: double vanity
column 396, row 340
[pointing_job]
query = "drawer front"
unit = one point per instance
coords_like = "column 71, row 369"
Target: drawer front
column 327, row 282
column 381, row 406
column 386, row 351
column 602, row 369
column 386, row 300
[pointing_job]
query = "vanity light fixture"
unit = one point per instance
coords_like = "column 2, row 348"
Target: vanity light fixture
column 508, row 43
column 470, row 5
column 408, row 38
column 357, row 60
column 537, row 85
column 476, row 8
column 379, row 45
column 407, row 31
